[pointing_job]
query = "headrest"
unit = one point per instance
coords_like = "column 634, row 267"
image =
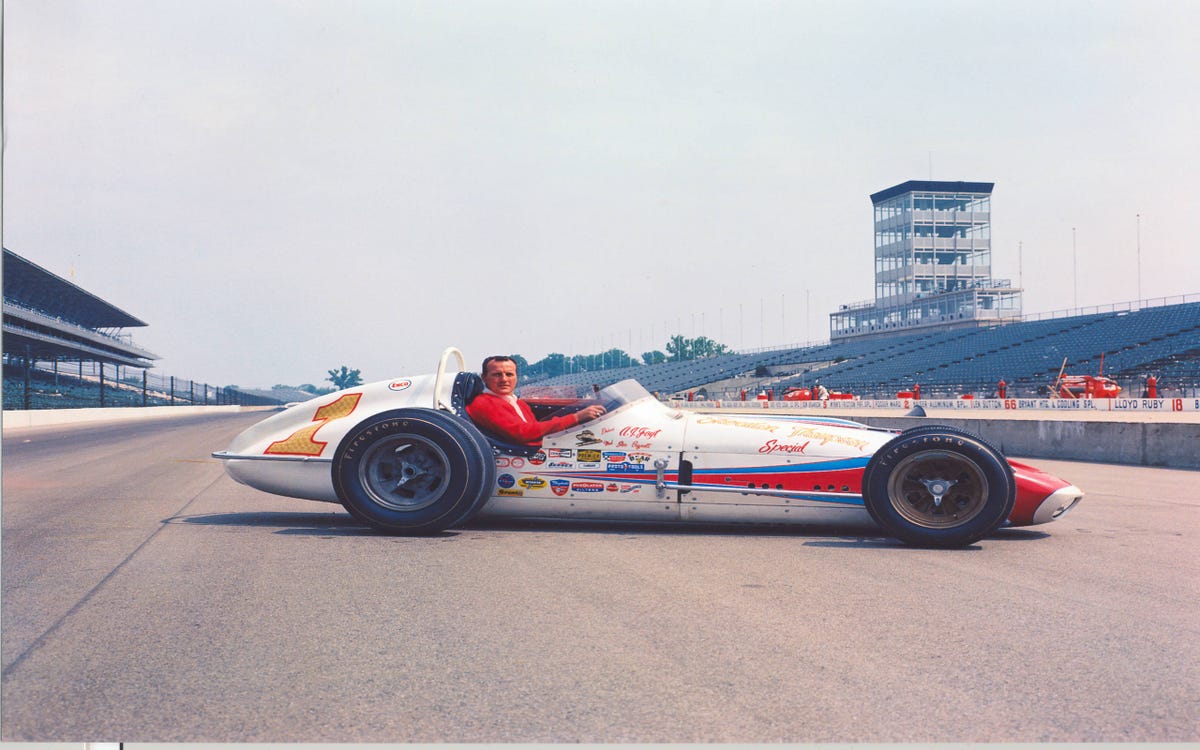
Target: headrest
column 467, row 385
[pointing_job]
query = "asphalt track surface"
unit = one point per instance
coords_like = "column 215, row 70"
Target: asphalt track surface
column 149, row 598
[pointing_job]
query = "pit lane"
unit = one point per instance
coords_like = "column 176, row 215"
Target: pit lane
column 147, row 597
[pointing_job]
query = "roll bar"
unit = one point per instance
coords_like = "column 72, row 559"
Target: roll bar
column 438, row 403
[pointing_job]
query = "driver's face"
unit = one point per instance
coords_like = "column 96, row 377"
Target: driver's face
column 501, row 377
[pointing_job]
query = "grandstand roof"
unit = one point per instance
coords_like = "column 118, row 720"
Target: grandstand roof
column 27, row 284
column 931, row 186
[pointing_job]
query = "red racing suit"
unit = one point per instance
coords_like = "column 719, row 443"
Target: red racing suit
column 496, row 415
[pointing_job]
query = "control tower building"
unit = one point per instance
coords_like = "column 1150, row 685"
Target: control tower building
column 933, row 263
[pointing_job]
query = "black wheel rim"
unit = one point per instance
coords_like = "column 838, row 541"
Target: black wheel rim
column 938, row 489
column 404, row 472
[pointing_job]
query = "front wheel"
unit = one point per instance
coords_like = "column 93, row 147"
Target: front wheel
column 938, row 487
column 413, row 471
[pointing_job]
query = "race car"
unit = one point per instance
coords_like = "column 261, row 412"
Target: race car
column 403, row 457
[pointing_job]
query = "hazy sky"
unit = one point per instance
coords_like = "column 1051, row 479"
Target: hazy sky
column 280, row 187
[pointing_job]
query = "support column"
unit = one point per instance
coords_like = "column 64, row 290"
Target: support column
column 28, row 373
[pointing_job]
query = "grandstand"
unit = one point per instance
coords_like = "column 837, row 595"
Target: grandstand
column 64, row 347
column 1160, row 338
column 940, row 320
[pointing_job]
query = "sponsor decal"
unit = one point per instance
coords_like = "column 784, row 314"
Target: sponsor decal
column 743, row 423
column 587, row 486
column 539, row 458
column 612, row 487
column 827, row 437
column 509, row 462
column 614, row 457
column 586, row 437
column 560, row 453
column 774, row 446
column 641, row 433
column 506, row 480
column 510, row 493
column 561, row 465
column 399, row 385
column 626, row 467
column 590, row 456
column 632, row 489
column 559, row 486
column 639, row 458
column 532, row 483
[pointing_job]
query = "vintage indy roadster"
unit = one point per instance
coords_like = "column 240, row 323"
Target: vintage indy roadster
column 402, row 456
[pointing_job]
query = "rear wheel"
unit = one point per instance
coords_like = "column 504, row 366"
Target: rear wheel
column 938, row 487
column 413, row 471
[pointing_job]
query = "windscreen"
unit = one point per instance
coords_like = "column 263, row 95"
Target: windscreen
column 613, row 396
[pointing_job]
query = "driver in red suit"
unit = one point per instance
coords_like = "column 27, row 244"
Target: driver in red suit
column 498, row 411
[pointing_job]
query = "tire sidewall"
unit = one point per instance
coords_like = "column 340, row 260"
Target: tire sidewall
column 994, row 467
column 470, row 471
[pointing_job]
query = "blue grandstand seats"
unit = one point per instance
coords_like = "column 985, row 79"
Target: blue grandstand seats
column 1026, row 355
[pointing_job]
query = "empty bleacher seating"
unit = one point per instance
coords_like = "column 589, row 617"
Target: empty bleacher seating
column 1164, row 341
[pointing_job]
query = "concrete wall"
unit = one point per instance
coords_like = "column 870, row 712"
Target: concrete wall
column 1169, row 444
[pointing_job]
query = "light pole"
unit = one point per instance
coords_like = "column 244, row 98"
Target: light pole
column 762, row 322
column 741, row 327
column 1074, row 271
column 1139, row 257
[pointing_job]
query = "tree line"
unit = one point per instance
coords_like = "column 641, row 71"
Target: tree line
column 678, row 349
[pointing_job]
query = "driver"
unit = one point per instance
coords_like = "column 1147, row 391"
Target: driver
column 498, row 411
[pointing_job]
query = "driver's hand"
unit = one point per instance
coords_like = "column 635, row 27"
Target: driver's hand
column 590, row 412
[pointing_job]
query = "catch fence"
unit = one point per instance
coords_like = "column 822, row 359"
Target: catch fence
column 74, row 385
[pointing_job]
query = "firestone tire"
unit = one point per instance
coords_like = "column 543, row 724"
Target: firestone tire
column 413, row 471
column 937, row 486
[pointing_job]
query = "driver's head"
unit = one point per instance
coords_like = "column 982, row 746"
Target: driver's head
column 500, row 374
